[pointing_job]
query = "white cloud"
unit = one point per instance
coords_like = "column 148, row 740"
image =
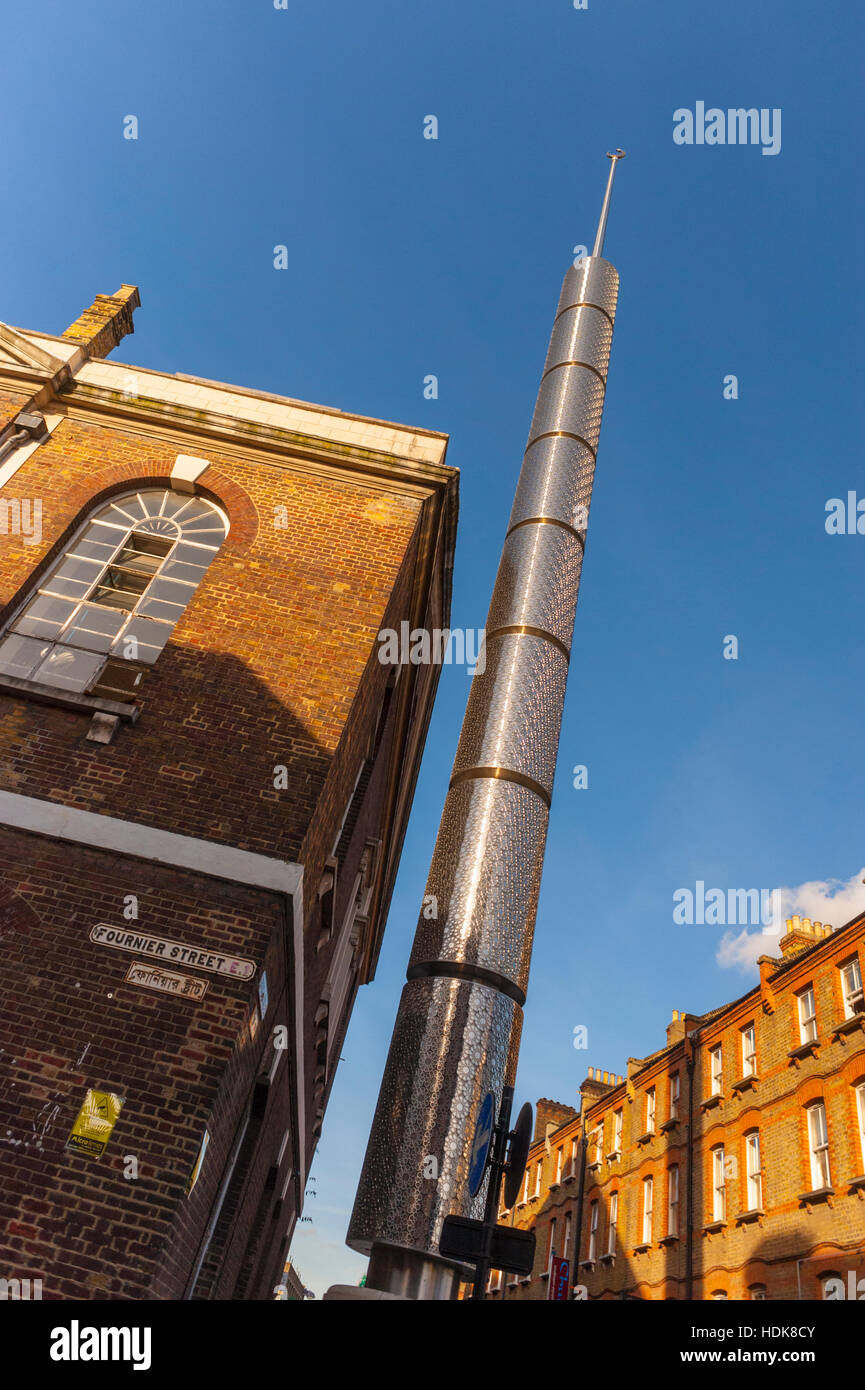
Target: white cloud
column 743, row 949
column 830, row 901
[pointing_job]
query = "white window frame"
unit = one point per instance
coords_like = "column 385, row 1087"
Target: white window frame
column 593, row 1230
column 551, row 1244
column 560, row 1160
column 716, row 1069
column 567, row 1241
column 719, row 1185
column 818, row 1146
column 753, row 1171
column 575, row 1148
column 675, row 1091
column 860, row 1111
column 613, row 1219
column 673, row 1200
column 648, row 1201
column 650, row 1110
column 598, row 1143
column 852, row 989
column 749, row 1050
column 807, row 1014
column 618, row 1124
column 537, row 1191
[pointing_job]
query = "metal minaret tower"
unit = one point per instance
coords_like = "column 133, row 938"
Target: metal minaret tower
column 458, row 1027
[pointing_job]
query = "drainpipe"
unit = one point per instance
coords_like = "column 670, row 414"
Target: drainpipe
column 690, row 1059
column 581, row 1188
column 31, row 429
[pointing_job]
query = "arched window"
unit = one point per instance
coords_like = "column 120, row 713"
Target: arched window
column 106, row 608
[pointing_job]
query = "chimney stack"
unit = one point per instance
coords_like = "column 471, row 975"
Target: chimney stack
column 551, row 1112
column 676, row 1029
column 109, row 318
column 802, row 933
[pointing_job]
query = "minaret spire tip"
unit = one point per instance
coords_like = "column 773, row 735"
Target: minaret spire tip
column 614, row 156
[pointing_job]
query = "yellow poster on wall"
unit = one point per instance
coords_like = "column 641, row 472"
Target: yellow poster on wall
column 96, row 1119
column 196, row 1167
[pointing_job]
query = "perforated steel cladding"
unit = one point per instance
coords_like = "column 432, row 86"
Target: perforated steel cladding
column 451, row 1045
column 456, row 1038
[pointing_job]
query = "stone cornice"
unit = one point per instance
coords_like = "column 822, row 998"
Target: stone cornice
column 249, row 440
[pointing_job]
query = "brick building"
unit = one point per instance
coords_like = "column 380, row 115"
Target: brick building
column 293, row 1289
column 730, row 1163
column 206, row 777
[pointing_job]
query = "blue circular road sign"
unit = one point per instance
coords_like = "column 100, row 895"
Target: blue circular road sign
column 481, row 1143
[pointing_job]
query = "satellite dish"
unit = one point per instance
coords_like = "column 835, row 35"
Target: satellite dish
column 521, row 1138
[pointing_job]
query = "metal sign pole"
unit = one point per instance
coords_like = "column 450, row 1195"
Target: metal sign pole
column 498, row 1157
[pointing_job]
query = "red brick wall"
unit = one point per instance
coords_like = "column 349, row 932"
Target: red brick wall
column 822, row 1236
column 263, row 665
column 11, row 403
column 68, row 1022
column 273, row 663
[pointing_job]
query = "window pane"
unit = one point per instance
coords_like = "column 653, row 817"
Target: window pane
column 120, row 588
column 94, row 628
column 68, row 669
column 69, row 588
column 175, row 503
column 81, row 569
column 150, row 638
column 126, row 511
column 170, row 590
column 153, row 608
column 196, row 509
column 143, row 554
column 94, row 549
column 818, row 1118
column 109, row 532
column 207, row 529
column 19, row 656
column 44, row 616
column 172, row 569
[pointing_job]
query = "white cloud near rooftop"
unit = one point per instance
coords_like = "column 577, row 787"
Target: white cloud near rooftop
column 831, row 901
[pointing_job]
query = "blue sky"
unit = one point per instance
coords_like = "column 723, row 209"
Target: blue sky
column 303, row 127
